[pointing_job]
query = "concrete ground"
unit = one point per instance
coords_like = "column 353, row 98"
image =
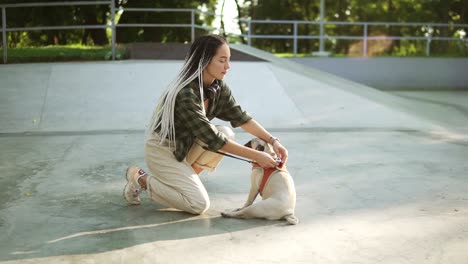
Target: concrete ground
column 380, row 177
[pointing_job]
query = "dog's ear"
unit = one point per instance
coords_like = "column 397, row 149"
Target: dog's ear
column 248, row 144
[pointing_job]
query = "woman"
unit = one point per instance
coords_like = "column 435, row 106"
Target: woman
column 181, row 139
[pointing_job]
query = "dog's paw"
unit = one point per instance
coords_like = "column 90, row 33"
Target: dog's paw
column 224, row 214
column 292, row 220
column 232, row 213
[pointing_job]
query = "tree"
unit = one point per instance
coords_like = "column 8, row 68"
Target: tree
column 100, row 15
column 279, row 10
column 161, row 34
column 436, row 11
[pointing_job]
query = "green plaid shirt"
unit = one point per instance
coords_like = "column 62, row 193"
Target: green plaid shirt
column 191, row 123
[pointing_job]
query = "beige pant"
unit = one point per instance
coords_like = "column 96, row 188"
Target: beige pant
column 175, row 184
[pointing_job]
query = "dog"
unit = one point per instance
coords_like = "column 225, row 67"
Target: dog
column 277, row 191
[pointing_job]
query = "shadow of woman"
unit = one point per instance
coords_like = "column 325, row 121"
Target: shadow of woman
column 143, row 227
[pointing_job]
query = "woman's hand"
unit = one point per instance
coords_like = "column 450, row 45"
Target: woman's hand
column 265, row 160
column 281, row 151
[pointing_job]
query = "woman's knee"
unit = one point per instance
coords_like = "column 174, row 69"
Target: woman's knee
column 226, row 131
column 200, row 206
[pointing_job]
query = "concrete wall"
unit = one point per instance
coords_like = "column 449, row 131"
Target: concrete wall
column 397, row 73
column 173, row 51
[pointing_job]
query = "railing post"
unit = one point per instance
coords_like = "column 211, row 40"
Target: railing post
column 428, row 46
column 322, row 31
column 364, row 44
column 321, row 49
column 428, row 43
column 249, row 40
column 113, row 31
column 192, row 18
column 4, row 35
column 295, row 38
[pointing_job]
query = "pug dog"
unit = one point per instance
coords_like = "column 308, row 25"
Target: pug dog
column 275, row 186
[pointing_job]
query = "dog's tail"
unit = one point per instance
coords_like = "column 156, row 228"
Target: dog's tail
column 292, row 219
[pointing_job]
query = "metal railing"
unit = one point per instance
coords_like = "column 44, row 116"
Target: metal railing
column 5, row 29
column 365, row 32
column 112, row 25
column 249, row 22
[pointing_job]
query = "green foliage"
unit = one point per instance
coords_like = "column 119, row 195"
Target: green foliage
column 63, row 53
column 100, row 15
column 446, row 11
column 435, row 11
column 161, row 34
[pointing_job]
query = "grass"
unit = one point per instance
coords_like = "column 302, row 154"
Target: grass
column 291, row 55
column 332, row 55
column 309, row 55
column 62, row 53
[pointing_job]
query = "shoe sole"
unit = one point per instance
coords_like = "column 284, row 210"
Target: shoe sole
column 128, row 180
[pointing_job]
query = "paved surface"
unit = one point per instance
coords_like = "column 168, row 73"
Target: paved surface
column 380, row 178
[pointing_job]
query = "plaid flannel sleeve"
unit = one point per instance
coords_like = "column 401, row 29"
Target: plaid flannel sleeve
column 230, row 110
column 190, row 113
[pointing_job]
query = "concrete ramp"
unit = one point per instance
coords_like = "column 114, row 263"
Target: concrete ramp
column 110, row 96
column 328, row 106
column 121, row 95
column 81, row 96
column 397, row 110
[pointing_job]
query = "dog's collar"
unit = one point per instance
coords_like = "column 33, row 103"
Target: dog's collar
column 267, row 172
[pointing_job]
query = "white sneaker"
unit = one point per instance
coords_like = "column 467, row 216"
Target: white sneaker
column 133, row 189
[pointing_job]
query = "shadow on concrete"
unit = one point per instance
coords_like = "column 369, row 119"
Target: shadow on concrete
column 58, row 198
column 135, row 226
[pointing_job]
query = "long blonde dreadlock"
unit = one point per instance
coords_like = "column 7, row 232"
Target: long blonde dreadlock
column 199, row 56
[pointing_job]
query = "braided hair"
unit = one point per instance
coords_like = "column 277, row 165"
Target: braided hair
column 200, row 54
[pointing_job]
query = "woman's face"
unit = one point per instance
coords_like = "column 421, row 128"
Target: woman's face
column 218, row 66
